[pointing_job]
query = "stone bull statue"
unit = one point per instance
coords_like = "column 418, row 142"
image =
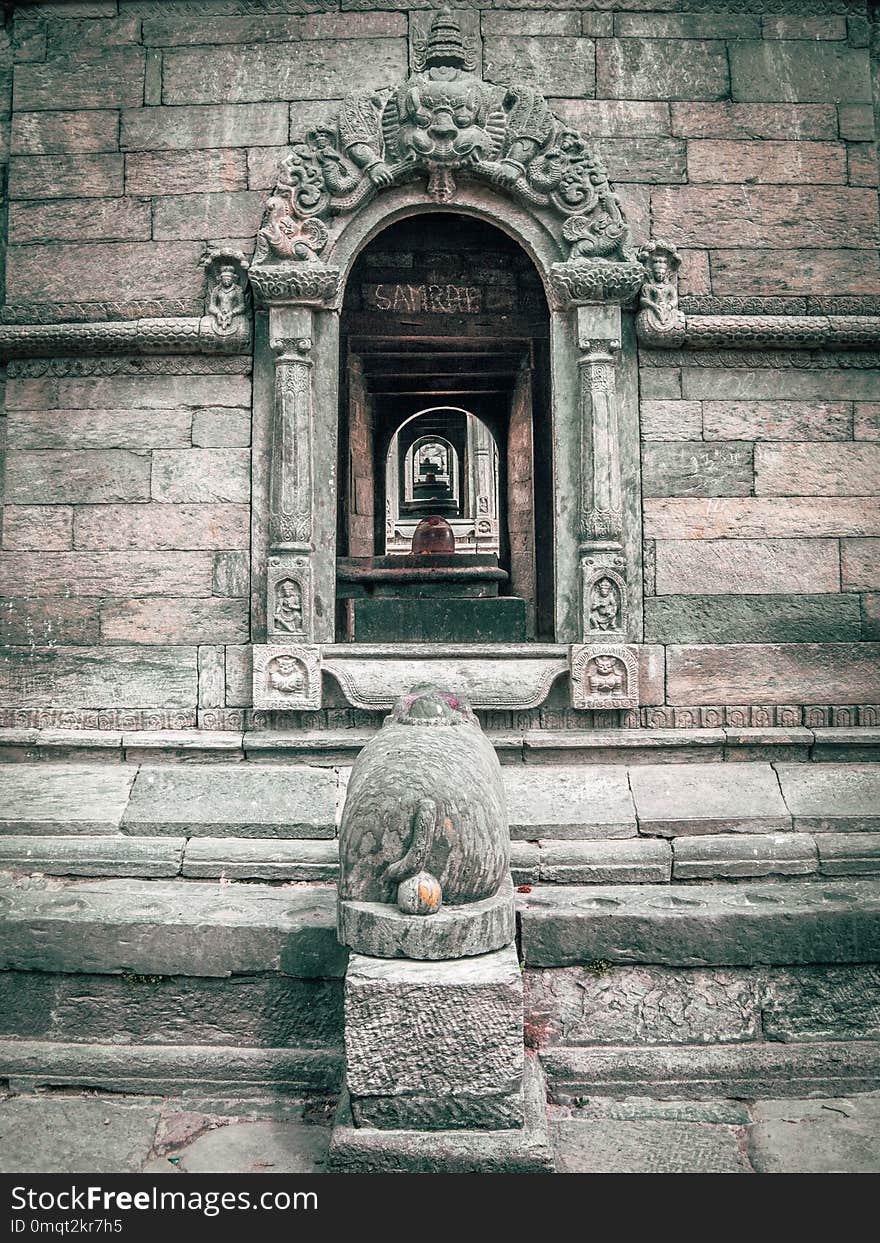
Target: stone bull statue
column 424, row 841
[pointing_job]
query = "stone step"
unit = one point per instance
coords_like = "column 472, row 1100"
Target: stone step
column 697, row 1072
column 800, row 921
column 547, row 802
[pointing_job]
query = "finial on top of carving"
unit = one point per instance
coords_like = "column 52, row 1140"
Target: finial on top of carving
column 444, row 122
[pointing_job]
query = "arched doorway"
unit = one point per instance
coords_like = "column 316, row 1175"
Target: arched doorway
column 445, row 341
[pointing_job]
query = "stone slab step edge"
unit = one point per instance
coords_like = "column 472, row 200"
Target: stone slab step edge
column 532, row 746
column 167, row 1069
column 702, row 1072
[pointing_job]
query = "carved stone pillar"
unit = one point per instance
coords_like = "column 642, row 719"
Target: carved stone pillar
column 485, row 489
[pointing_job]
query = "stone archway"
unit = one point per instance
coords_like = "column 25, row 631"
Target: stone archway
column 444, row 137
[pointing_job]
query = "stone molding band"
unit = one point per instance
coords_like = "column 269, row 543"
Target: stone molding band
column 183, row 335
column 796, row 332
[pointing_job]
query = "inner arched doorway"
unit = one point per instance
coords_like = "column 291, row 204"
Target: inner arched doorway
column 444, row 363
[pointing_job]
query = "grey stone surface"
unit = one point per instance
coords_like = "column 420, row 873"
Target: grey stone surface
column 244, row 801
column 603, row 747
column 435, row 1046
column 628, row 861
column 149, row 927
column 848, row 854
column 162, row 1069
column 752, row 618
column 754, row 743
column 568, row 802
column 259, row 859
column 708, row 798
column 829, row 798
column 585, row 1005
column 745, row 1071
column 524, row 862
column 258, row 1147
column 62, row 798
column 521, row 1150
column 723, row 856
column 606, row 1146
column 452, row 932
column 844, row 746
column 836, row 1136
column 75, row 1135
column 641, row 1108
column 93, row 856
column 822, row 1003
column 681, row 925
column 688, row 468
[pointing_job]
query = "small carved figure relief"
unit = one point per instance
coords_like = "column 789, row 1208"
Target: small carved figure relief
column 604, row 605
column 226, row 303
column 288, row 615
column 659, row 318
column 286, row 674
column 604, row 677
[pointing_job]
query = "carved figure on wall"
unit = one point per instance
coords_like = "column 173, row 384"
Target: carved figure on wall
column 286, row 674
column 226, row 304
column 288, row 613
column 604, row 605
column 659, row 318
column 606, row 675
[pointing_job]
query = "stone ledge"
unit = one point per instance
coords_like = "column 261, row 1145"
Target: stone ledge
column 834, row 921
column 695, row 1072
column 93, row 856
column 167, row 1069
column 183, row 927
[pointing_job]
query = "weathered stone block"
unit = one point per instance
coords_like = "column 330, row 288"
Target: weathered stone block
column 752, row 619
column 188, row 129
column 848, row 854
column 766, row 161
column 661, row 69
column 126, row 392
column 651, row 160
column 231, row 573
column 689, row 926
column 37, row 527
column 45, row 133
column 23, row 622
column 809, row 1136
column 615, row 118
column 65, row 176
column 804, row 27
column 105, row 574
column 660, row 383
column 829, row 798
column 671, row 420
column 640, row 1005
column 630, row 861
column 860, row 564
column 540, row 24
column 63, row 798
column 768, row 217
column 763, row 518
column 723, row 857
column 777, row 420
column 856, row 122
column 817, row 470
column 221, row 428
column 799, row 70
column 263, row 164
column 673, row 800
column 108, row 270
column 871, row 616
column 91, row 78
column 241, row 801
column 747, row 567
column 182, row 28
column 822, row 1003
column 748, row 121
column 253, row 72
column 262, row 859
column 773, row 673
column 235, row 214
column 435, row 1046
column 80, row 219
column 802, row 271
column 181, row 475
column 866, row 420
column 92, row 856
column 161, row 526
column 26, row 1000
column 65, row 1133
column 566, row 802
column 861, row 164
column 102, row 677
column 173, row 172
column 88, row 475
column 98, row 429
column 610, row 1146
column 171, row 620
column 688, row 469
column 557, row 66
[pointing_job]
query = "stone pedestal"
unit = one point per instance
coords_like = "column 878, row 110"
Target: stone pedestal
column 435, row 1045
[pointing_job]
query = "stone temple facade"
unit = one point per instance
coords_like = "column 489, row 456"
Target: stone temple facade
column 633, row 242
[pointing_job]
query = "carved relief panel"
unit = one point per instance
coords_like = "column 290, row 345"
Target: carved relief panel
column 604, row 676
column 287, row 676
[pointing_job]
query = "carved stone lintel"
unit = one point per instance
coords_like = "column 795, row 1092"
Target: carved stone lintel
column 310, row 284
column 604, row 676
column 290, row 487
column 603, row 596
column 287, row 676
column 289, row 606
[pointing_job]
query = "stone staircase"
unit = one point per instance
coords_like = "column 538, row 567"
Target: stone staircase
column 699, row 911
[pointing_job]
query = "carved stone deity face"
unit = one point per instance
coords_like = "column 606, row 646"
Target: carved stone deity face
column 605, row 587
column 605, row 665
column 227, row 277
column 660, row 267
